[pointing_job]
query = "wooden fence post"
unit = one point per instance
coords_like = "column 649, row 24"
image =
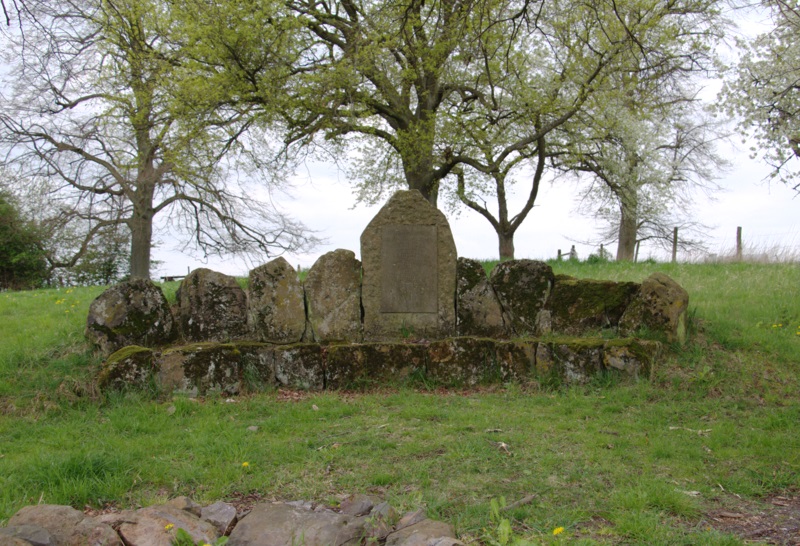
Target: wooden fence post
column 739, row 243
column 675, row 245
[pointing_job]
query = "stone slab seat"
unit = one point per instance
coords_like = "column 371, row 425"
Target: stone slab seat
column 206, row 368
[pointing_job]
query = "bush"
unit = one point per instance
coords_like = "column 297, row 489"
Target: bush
column 22, row 260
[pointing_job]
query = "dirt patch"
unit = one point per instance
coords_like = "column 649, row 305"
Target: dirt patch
column 775, row 520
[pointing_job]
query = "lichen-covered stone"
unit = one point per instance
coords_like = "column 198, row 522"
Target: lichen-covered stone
column 523, row 286
column 408, row 271
column 463, row 361
column 579, row 306
column 571, row 360
column 660, row 307
column 211, row 307
column 369, row 364
column 134, row 312
column 633, row 357
column 131, row 367
column 200, row 368
column 477, row 308
column 516, row 359
column 299, row 366
column 333, row 297
column 276, row 307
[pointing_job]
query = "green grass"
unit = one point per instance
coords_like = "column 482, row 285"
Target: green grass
column 631, row 463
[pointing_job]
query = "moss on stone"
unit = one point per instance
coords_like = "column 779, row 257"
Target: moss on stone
column 581, row 305
column 130, row 367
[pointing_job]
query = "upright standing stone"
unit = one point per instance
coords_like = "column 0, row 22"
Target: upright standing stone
column 660, row 306
column 523, row 286
column 409, row 271
column 275, row 309
column 479, row 311
column 211, row 307
column 133, row 312
column 333, row 297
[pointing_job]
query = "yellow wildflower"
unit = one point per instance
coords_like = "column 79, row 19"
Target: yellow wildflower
column 168, row 527
column 245, row 464
column 558, row 530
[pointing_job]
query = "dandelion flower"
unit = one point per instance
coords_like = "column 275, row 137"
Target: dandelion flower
column 558, row 530
column 245, row 464
column 168, row 527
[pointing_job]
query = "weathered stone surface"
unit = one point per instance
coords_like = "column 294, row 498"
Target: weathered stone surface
column 186, row 504
column 299, row 366
column 221, row 515
column 478, row 310
column 131, row 367
column 285, row 525
column 425, row 533
column 463, row 361
column 409, row 271
column 349, row 366
column 358, row 505
column 516, row 360
column 201, row 368
column 571, row 361
column 211, row 307
column 134, row 312
column 276, row 308
column 26, row 535
column 523, row 286
column 60, row 526
column 634, row 357
column 151, row 527
column 578, row 306
column 660, row 306
column 333, row 297
column 52, row 517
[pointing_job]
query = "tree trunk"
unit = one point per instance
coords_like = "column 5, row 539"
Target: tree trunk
column 418, row 161
column 628, row 228
column 506, row 241
column 141, row 243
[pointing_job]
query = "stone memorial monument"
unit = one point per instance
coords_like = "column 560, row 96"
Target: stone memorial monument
column 409, row 271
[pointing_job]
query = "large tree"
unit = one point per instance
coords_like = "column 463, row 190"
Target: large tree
column 643, row 162
column 94, row 104
column 763, row 91
column 405, row 75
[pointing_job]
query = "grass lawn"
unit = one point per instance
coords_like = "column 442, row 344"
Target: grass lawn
column 716, row 430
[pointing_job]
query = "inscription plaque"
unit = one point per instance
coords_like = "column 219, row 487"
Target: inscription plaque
column 409, row 269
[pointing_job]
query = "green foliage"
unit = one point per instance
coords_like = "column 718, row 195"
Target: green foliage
column 22, row 262
column 762, row 92
column 183, row 538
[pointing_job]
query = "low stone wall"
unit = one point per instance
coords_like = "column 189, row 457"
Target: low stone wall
column 358, row 520
column 229, row 368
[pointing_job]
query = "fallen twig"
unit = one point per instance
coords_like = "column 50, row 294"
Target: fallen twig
column 521, row 502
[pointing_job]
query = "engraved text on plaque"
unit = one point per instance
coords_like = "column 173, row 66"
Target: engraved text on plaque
column 409, row 269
